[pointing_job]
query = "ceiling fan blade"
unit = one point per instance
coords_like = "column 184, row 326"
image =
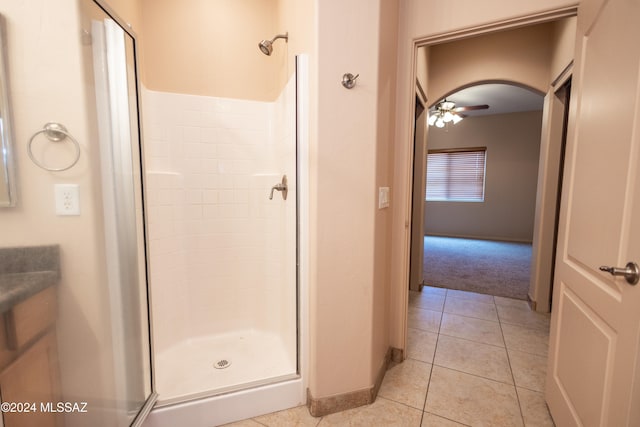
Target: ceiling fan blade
column 471, row 108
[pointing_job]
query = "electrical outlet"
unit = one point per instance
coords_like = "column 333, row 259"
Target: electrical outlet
column 67, row 199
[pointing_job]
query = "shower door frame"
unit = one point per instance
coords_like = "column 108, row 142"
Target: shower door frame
column 151, row 400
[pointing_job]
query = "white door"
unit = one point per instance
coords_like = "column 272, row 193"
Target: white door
column 594, row 372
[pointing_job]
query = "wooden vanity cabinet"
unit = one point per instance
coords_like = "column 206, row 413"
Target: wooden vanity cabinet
column 29, row 369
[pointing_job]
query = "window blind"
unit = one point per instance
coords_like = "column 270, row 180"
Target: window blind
column 456, row 175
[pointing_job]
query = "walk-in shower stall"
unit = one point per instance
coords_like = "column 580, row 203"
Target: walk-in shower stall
column 222, row 232
column 223, row 170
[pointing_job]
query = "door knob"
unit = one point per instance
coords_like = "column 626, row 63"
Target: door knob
column 631, row 272
column 282, row 187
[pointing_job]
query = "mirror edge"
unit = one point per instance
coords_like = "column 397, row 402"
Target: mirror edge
column 6, row 121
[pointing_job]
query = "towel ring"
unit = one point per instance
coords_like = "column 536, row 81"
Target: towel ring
column 55, row 132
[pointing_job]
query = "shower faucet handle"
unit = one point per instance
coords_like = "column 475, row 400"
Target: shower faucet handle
column 282, row 187
column 277, row 187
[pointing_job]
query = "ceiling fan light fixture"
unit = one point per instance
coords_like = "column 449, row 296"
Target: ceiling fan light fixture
column 447, row 105
column 446, row 112
column 448, row 116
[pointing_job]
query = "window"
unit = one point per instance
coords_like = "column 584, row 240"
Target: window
column 456, row 175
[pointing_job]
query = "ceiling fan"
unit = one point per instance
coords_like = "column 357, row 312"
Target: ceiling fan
column 446, row 111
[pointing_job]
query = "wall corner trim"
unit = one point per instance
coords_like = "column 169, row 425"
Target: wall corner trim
column 322, row 406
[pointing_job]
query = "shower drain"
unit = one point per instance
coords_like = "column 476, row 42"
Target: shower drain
column 222, row 364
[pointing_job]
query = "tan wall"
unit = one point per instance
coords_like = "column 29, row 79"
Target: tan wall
column 211, row 48
column 422, row 70
column 521, row 55
column 298, row 18
column 548, row 172
column 341, row 356
column 388, row 38
column 130, row 11
column 507, row 213
column 422, row 21
column 563, row 42
column 348, row 162
column 419, row 162
column 546, row 202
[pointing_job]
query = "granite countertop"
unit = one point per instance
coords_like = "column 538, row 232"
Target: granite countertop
column 17, row 287
column 25, row 271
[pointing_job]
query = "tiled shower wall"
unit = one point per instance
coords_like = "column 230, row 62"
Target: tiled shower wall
column 222, row 255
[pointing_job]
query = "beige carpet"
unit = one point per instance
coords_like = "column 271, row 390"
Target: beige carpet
column 484, row 266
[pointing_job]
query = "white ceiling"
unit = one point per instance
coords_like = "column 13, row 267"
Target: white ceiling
column 501, row 98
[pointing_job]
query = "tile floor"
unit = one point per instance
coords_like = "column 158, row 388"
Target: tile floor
column 472, row 360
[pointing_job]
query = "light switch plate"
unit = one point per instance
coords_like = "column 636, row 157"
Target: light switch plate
column 383, row 197
column 67, row 199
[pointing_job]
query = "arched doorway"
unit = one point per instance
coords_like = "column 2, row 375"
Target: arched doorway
column 481, row 183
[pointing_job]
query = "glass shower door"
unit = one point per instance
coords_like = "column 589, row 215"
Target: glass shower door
column 78, row 350
column 110, row 66
column 109, row 56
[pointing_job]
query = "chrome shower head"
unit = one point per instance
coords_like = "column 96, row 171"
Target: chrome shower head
column 266, row 46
